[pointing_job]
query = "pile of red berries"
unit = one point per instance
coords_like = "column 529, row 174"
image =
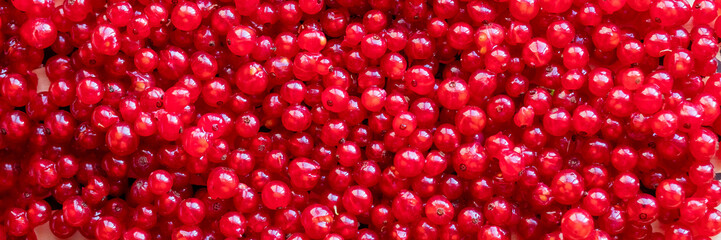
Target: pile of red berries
column 360, row 119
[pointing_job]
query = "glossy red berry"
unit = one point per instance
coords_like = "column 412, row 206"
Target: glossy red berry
column 276, row 195
column 317, row 220
column 222, row 183
column 567, row 187
column 121, row 139
column 347, row 119
column 453, row 93
column 642, row 209
column 241, row 40
column 577, row 224
column 39, row 32
column 537, row 52
column 191, row 211
column 186, row 16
